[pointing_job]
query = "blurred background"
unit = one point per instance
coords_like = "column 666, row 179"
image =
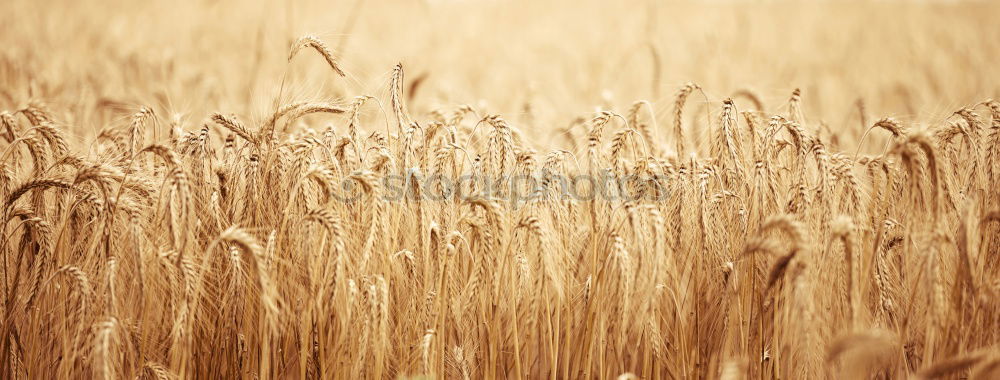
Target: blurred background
column 540, row 63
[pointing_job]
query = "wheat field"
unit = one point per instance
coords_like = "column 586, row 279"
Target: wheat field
column 500, row 189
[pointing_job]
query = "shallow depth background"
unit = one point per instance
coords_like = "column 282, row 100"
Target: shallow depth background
column 538, row 63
